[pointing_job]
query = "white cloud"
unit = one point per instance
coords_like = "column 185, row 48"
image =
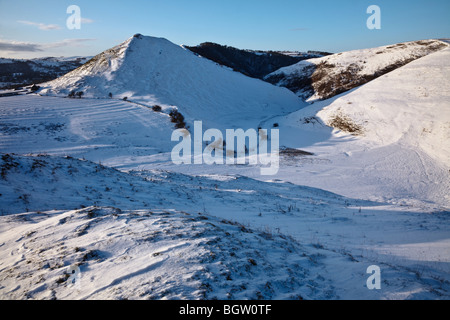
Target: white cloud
column 67, row 43
column 86, row 20
column 41, row 26
column 18, row 46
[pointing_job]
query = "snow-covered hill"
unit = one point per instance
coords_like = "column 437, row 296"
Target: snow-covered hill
column 409, row 106
column 325, row 77
column 386, row 140
column 161, row 235
column 149, row 254
column 154, row 71
column 129, row 241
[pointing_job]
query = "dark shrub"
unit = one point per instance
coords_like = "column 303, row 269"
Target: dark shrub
column 157, row 108
column 178, row 119
column 35, row 88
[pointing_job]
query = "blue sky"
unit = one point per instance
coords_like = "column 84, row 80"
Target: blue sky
column 30, row 28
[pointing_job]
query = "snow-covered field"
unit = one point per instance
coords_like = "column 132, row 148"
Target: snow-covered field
column 162, row 235
column 88, row 183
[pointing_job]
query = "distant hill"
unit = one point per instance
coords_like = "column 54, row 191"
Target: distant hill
column 16, row 73
column 255, row 64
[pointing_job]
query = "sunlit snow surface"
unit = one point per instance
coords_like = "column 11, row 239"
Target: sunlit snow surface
column 139, row 227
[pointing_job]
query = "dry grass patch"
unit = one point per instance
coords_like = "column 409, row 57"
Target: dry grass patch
column 344, row 123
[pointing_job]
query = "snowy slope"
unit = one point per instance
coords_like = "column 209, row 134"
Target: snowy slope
column 6, row 61
column 66, row 64
column 409, row 106
column 148, row 254
column 130, row 243
column 389, row 141
column 92, row 128
column 154, row 71
column 325, row 77
column 161, row 235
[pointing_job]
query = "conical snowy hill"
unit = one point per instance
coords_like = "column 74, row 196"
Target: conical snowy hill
column 153, row 71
